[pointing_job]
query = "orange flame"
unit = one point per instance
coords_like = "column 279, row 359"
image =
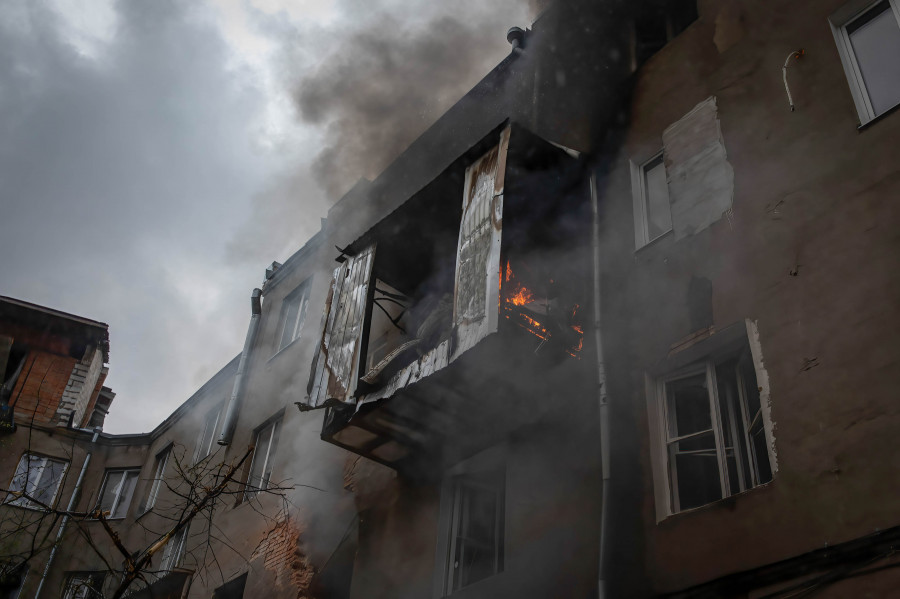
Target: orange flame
column 517, row 295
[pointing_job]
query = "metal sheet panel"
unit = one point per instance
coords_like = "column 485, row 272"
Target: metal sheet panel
column 336, row 367
column 477, row 290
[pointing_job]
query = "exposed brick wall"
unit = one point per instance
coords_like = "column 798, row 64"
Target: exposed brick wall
column 80, row 387
column 41, row 385
column 281, row 555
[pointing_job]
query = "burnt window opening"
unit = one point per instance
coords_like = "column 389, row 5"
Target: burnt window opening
column 410, row 305
column 546, row 242
column 658, row 24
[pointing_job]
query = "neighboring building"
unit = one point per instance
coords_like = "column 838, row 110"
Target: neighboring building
column 621, row 323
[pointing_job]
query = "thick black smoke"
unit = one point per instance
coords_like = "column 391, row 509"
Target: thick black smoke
column 388, row 81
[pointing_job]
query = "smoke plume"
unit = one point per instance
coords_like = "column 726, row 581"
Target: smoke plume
column 391, row 78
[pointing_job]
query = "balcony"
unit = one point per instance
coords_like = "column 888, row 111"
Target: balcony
column 451, row 318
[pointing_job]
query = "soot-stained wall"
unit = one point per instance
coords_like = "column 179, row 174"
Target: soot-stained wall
column 808, row 251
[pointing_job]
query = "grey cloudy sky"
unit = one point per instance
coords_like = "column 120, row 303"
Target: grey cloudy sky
column 155, row 156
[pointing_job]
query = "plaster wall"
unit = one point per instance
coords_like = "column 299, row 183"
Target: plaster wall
column 809, row 251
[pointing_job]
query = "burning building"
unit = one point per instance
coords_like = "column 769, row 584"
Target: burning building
column 621, row 323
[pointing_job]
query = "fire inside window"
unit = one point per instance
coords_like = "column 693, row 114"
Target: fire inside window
column 539, row 308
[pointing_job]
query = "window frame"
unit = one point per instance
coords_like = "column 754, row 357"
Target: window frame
column 136, row 472
column 92, row 580
column 159, row 473
column 738, row 343
column 839, row 21
column 173, row 552
column 640, row 197
column 488, row 465
column 199, row 453
column 23, row 501
column 299, row 296
column 274, row 426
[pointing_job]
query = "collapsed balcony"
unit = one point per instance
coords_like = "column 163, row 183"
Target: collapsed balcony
column 441, row 314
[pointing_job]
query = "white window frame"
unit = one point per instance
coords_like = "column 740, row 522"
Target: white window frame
column 32, row 483
column 272, row 427
column 84, row 585
column 665, row 476
column 127, row 473
column 639, row 201
column 204, row 445
column 839, row 22
column 300, row 298
column 159, row 473
column 173, row 552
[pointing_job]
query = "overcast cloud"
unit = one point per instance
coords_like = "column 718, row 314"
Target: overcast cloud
column 156, row 156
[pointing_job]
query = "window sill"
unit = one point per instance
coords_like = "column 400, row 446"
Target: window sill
column 725, row 502
column 284, row 349
column 654, row 241
column 862, row 127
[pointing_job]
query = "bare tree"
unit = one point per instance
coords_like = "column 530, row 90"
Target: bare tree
column 195, row 491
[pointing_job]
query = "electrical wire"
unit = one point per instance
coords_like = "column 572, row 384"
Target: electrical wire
column 795, row 54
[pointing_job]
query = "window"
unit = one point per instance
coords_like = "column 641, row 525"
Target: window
column 173, row 551
column 650, row 193
column 159, row 472
column 115, row 495
column 293, row 313
column 37, row 477
column 207, row 434
column 263, row 456
column 868, row 39
column 84, row 585
column 476, row 529
column 713, row 430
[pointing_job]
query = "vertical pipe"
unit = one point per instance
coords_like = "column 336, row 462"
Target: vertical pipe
column 65, row 519
column 601, row 394
column 240, row 378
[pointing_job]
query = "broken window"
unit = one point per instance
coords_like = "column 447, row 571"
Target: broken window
column 293, row 314
column 715, row 439
column 868, row 39
column 650, row 194
column 116, row 492
column 476, row 529
column 265, row 446
column 39, row 478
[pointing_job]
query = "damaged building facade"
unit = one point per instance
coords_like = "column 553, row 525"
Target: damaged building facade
column 621, row 323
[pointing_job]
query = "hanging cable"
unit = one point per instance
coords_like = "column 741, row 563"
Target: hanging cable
column 795, row 54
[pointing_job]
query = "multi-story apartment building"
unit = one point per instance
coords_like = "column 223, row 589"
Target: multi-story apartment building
column 621, row 323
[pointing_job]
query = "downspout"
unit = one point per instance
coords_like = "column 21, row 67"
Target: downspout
column 602, row 399
column 240, row 378
column 65, row 520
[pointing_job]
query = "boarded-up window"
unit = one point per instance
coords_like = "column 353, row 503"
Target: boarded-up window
column 701, row 181
column 478, row 258
column 337, row 365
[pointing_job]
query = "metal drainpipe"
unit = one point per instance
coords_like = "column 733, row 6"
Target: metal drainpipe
column 65, row 519
column 601, row 396
column 240, row 379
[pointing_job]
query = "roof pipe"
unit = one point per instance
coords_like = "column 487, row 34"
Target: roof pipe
column 65, row 519
column 240, row 378
column 602, row 399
